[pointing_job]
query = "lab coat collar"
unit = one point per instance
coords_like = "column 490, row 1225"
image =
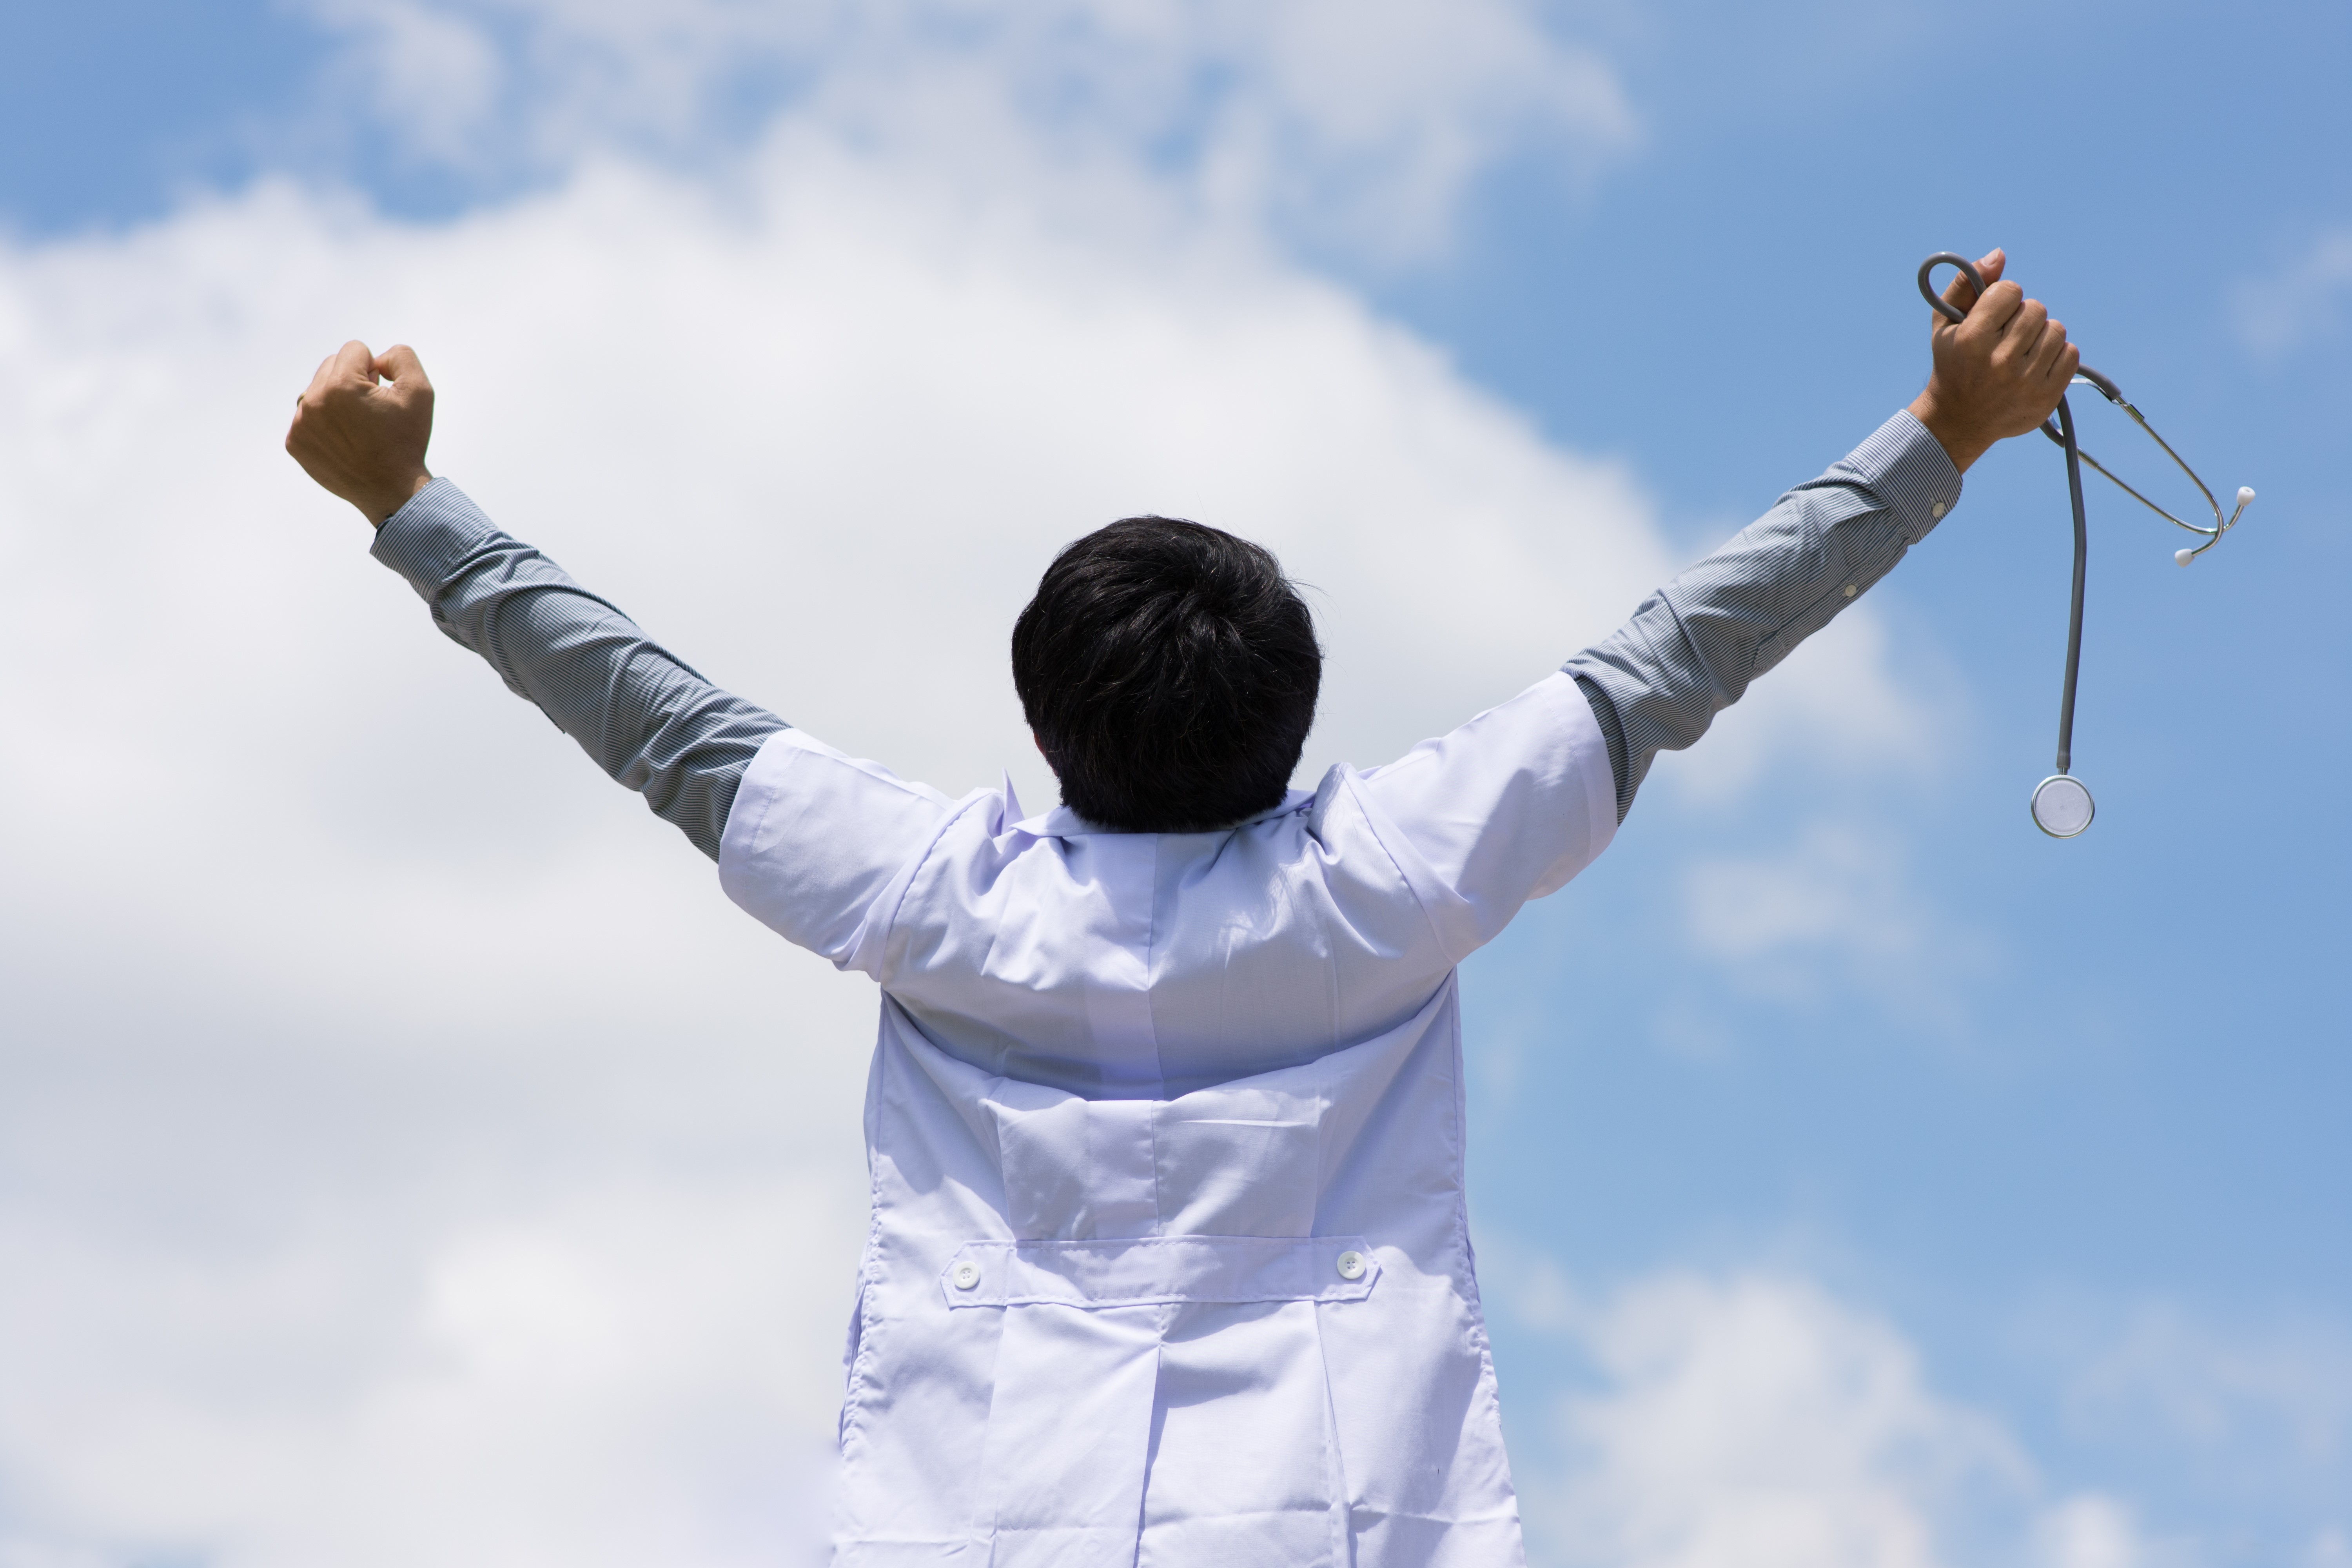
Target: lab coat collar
column 1063, row 822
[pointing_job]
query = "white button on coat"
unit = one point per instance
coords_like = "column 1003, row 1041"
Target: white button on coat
column 1193, row 1103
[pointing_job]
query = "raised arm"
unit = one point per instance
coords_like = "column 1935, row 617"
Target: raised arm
column 1657, row 682
column 646, row 718
column 1689, row 651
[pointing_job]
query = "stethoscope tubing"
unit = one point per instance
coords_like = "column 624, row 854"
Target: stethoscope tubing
column 2065, row 436
column 2082, row 571
column 2070, row 805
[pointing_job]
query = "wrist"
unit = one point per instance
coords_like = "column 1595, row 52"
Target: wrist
column 1962, row 442
column 379, row 506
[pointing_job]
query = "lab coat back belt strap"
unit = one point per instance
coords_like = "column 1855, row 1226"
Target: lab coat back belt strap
column 1148, row 1270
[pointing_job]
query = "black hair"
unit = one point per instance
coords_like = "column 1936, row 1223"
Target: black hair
column 1170, row 670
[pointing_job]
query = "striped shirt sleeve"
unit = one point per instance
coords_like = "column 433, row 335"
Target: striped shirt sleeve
column 647, row 718
column 1657, row 682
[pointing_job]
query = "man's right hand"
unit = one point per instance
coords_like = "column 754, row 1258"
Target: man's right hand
column 361, row 438
column 1999, row 372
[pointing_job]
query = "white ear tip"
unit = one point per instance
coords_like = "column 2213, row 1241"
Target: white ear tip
column 2184, row 556
column 2245, row 495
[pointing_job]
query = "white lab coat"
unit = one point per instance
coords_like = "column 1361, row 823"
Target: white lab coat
column 1169, row 1261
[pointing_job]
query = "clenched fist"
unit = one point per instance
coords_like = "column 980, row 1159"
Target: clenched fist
column 362, row 427
column 1998, row 373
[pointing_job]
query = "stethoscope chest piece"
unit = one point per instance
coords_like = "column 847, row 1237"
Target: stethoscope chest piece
column 2062, row 807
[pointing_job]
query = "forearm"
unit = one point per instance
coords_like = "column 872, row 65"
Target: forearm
column 645, row 717
column 1691, row 649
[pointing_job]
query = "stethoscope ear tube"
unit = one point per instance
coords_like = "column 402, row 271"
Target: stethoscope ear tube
column 1944, row 307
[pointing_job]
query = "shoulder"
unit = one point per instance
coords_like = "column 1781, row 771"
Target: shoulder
column 816, row 839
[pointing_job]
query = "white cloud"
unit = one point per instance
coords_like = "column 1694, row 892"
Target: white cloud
column 1348, row 122
column 2302, row 302
column 2089, row 1531
column 2267, row 1404
column 1756, row 1420
column 1834, row 913
column 638, row 1373
column 437, row 75
column 1834, row 887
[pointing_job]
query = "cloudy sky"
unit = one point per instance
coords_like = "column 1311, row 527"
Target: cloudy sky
column 407, row 1155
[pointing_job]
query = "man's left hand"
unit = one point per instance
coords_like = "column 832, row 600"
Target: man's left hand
column 361, row 428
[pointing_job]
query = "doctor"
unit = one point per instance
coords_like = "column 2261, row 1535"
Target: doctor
column 1169, row 1261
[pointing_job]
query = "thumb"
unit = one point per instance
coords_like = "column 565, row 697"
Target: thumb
column 353, row 361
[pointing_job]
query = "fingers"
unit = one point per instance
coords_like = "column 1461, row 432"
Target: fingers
column 2027, row 338
column 2022, row 333
column 2049, row 353
column 355, row 367
column 1994, row 314
column 399, row 365
column 351, row 367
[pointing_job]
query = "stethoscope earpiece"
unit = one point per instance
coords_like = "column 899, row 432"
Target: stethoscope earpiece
column 2062, row 807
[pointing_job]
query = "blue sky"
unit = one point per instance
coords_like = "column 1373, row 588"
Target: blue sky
column 2065, row 1118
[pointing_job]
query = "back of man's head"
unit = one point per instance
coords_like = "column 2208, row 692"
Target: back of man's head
column 1170, row 671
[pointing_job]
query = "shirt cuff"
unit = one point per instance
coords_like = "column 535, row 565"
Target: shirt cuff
column 1904, row 466
column 426, row 540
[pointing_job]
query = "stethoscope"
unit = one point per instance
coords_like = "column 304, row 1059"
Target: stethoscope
column 2061, row 805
